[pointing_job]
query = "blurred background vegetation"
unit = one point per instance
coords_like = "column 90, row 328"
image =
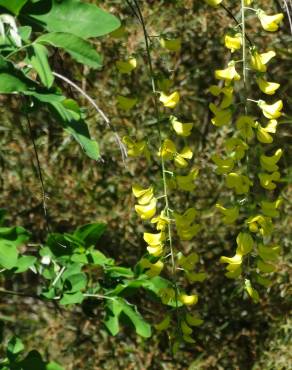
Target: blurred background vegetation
column 236, row 334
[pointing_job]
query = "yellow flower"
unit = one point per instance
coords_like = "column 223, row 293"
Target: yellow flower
column 154, row 239
column 259, row 61
column 233, row 42
column 236, row 148
column 188, row 300
column 126, row 103
column 168, row 151
column 245, row 125
column 266, row 180
column 152, row 269
column 146, row 211
column 260, row 224
column 222, row 116
column 266, row 87
column 126, row 67
column 228, row 74
column 270, row 23
column 182, row 129
column 251, row 291
column 269, row 163
column 230, row 214
column 186, row 183
column 156, row 250
column 248, row 2
column 171, row 45
column 271, row 111
column 263, row 133
column 223, row 165
column 233, row 262
column 162, row 221
column 244, row 244
column 240, row 183
column 135, row 149
column 144, row 195
column 213, row 3
column 164, row 324
column 170, row 101
column 270, row 209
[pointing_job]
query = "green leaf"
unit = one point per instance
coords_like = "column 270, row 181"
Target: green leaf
column 14, row 6
column 81, row 50
column 54, row 366
column 16, row 234
column 14, row 346
column 24, row 263
column 90, row 233
column 114, row 310
column 33, row 361
column 8, row 254
column 72, row 298
column 10, row 84
column 81, row 19
column 76, row 282
column 38, row 57
column 98, row 258
column 78, row 129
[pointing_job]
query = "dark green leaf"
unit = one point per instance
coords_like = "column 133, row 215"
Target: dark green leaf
column 38, row 57
column 79, row 49
column 81, row 19
column 72, row 298
column 17, row 234
column 141, row 326
column 13, row 6
column 33, row 361
column 10, row 84
column 90, row 233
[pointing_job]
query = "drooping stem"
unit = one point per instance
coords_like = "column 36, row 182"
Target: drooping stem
column 244, row 71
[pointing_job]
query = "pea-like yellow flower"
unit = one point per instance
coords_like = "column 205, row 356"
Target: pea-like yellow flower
column 152, row 269
column 213, row 3
column 266, row 87
column 245, row 244
column 233, row 42
column 126, row 67
column 171, row 44
column 233, row 262
column 270, row 23
column 223, row 165
column 248, row 2
column 267, row 180
column 188, row 300
column 168, row 151
column 136, row 149
column 144, row 195
column 269, row 252
column 170, row 101
column 154, row 239
column 240, row 183
column 259, row 61
column 270, row 209
column 161, row 221
column 125, row 103
column 269, row 163
column 188, row 262
column 271, row 111
column 164, row 324
column 245, row 125
column 181, row 129
column 222, row 116
column 236, row 148
column 156, row 250
column 251, row 291
column 261, row 224
column 263, row 133
column 146, row 211
column 226, row 91
column 228, row 74
column 193, row 320
column 186, row 183
column 230, row 214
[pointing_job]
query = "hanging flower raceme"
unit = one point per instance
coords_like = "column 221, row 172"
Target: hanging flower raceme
column 146, row 207
column 270, row 23
column 155, row 243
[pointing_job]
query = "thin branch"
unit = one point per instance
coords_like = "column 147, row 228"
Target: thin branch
column 99, row 111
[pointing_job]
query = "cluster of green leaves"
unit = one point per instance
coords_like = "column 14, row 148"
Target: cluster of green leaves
column 73, row 271
column 27, row 37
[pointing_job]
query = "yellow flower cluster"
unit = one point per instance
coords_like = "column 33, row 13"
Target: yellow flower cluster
column 235, row 165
